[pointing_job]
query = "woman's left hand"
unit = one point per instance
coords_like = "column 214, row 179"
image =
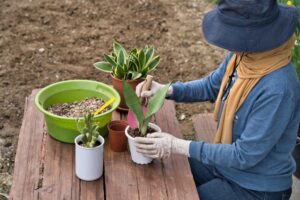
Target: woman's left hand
column 161, row 145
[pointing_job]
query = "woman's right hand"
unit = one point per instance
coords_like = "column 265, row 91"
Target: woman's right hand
column 155, row 86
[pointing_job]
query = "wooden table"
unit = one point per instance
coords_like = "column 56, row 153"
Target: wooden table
column 44, row 167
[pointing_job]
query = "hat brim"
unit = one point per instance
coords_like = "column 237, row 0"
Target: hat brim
column 254, row 38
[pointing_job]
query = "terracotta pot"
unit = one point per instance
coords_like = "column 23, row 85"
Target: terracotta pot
column 118, row 85
column 117, row 138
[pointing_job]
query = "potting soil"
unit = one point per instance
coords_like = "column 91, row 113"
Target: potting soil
column 78, row 108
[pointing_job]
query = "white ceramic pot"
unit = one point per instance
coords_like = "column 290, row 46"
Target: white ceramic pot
column 135, row 156
column 89, row 161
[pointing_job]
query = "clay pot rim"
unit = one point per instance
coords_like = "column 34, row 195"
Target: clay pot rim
column 120, row 80
column 117, row 122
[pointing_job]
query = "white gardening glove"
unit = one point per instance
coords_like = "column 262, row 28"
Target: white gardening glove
column 155, row 86
column 161, row 145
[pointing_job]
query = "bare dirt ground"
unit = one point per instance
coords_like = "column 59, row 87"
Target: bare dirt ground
column 45, row 41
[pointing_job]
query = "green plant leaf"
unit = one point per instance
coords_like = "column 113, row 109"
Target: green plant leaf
column 133, row 51
column 157, row 101
column 133, row 102
column 119, row 72
column 89, row 132
column 144, row 127
column 142, row 59
column 145, row 71
column 131, row 66
column 135, row 75
column 153, row 63
column 121, row 58
column 149, row 54
column 104, row 66
column 135, row 60
column 117, row 47
column 110, row 59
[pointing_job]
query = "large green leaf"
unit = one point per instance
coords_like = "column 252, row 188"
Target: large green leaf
column 135, row 75
column 117, row 47
column 144, row 127
column 142, row 59
column 135, row 60
column 157, row 101
column 153, row 63
column 110, row 59
column 104, row 66
column 149, row 54
column 119, row 72
column 131, row 66
column 133, row 102
column 121, row 58
column 145, row 71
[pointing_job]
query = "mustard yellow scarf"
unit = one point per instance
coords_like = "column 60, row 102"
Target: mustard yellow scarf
column 251, row 68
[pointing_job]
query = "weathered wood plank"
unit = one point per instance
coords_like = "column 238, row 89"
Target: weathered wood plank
column 127, row 180
column 90, row 190
column 76, row 183
column 44, row 167
column 120, row 180
column 205, row 127
column 177, row 174
column 150, row 181
column 51, row 176
column 59, row 179
column 26, row 171
column 58, row 171
column 158, row 180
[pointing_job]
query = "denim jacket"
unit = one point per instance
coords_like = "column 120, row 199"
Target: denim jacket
column 264, row 130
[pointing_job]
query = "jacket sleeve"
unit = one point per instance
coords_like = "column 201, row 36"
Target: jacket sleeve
column 262, row 132
column 205, row 89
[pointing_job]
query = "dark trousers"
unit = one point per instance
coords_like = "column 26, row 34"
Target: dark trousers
column 211, row 185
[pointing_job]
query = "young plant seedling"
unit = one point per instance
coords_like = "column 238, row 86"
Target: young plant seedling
column 154, row 104
column 89, row 131
column 129, row 66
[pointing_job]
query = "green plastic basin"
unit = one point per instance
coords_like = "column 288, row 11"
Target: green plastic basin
column 65, row 128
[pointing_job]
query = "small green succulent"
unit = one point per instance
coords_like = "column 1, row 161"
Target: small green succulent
column 89, row 132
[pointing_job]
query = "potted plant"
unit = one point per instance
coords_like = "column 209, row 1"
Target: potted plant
column 64, row 128
column 144, row 125
column 132, row 67
column 88, row 150
column 116, row 135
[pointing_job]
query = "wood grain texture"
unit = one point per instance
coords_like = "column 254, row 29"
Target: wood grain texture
column 205, row 127
column 127, row 180
column 44, row 167
column 27, row 161
column 177, row 175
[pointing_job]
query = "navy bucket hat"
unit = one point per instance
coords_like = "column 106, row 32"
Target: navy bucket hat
column 250, row 25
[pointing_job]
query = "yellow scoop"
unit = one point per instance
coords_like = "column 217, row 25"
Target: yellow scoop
column 105, row 105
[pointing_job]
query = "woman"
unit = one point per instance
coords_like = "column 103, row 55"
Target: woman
column 257, row 105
